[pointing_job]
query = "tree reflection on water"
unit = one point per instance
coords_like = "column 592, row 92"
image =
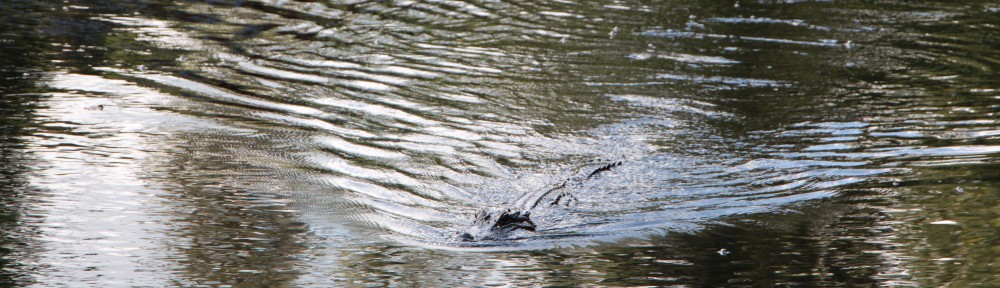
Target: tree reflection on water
column 288, row 143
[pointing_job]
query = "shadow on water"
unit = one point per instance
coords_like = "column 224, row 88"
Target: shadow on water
column 78, row 199
column 287, row 143
column 22, row 63
column 224, row 223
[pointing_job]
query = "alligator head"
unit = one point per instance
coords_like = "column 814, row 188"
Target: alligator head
column 498, row 224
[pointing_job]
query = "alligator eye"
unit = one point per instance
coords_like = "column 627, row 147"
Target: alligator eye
column 468, row 237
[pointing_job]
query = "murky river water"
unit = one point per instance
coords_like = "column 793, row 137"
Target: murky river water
column 347, row 143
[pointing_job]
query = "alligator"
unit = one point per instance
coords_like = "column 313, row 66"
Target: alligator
column 499, row 224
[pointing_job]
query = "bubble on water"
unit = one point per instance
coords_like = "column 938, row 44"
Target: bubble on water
column 723, row 252
column 944, row 222
column 895, row 183
column 639, row 56
column 692, row 24
column 959, row 189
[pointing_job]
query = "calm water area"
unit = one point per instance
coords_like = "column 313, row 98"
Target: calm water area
column 284, row 143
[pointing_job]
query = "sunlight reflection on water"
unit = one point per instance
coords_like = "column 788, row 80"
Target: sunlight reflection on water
column 287, row 143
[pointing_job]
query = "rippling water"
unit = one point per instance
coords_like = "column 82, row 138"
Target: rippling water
column 285, row 143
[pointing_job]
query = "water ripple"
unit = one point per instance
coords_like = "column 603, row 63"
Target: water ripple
column 226, row 125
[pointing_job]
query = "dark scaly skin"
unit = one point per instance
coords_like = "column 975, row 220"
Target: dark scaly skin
column 504, row 222
column 501, row 225
column 563, row 186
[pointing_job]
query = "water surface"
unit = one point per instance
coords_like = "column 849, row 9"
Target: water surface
column 287, row 143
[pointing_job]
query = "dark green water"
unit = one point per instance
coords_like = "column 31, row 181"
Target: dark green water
column 346, row 143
